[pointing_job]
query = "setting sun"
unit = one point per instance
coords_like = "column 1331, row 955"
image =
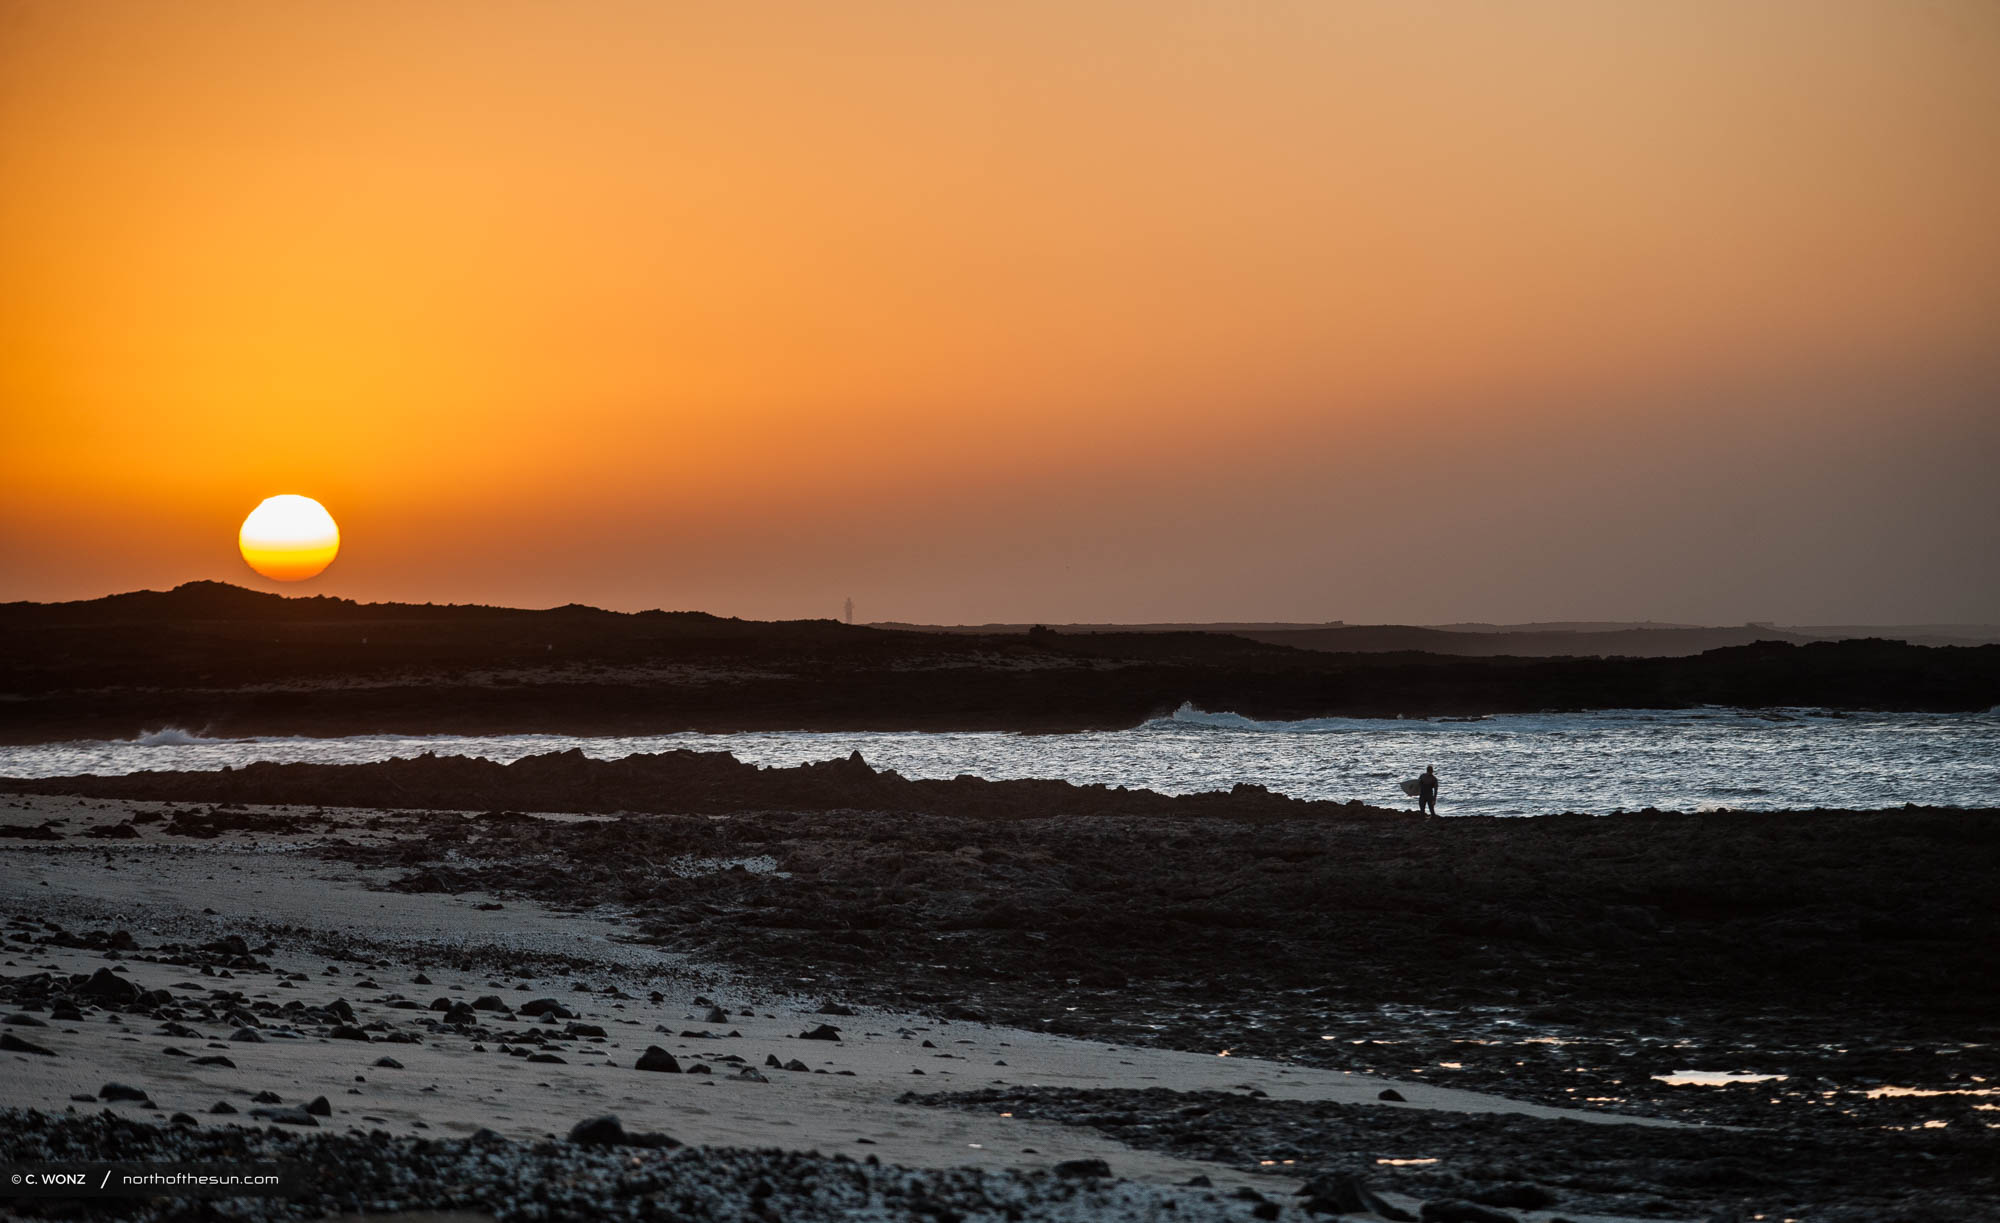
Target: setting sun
column 289, row 538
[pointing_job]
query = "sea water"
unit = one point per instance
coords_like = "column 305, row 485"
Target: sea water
column 1525, row 764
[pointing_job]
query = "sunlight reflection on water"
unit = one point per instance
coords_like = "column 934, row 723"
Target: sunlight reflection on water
column 1512, row 765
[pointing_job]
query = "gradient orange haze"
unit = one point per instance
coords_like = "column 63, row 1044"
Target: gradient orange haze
column 1078, row 310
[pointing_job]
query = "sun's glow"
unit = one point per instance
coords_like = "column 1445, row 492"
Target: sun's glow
column 289, row 538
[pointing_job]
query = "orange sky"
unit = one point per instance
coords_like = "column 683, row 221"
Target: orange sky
column 1067, row 310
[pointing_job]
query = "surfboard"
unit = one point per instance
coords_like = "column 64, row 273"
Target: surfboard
column 1412, row 786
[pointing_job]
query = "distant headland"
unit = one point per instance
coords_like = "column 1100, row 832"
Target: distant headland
column 241, row 662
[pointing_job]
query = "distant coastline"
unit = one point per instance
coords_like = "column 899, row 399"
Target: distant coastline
column 237, row 662
column 1562, row 639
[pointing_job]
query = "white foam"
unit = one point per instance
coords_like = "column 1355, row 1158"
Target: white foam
column 172, row 736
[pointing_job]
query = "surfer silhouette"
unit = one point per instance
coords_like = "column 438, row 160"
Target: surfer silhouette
column 1427, row 791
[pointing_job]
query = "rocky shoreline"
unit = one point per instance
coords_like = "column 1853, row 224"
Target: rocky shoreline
column 596, row 1175
column 1837, row 961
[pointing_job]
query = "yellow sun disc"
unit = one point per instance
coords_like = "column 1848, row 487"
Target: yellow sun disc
column 289, row 538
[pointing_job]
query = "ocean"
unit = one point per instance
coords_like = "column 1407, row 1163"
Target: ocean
column 1597, row 762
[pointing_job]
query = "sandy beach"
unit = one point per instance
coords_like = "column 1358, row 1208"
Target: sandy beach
column 337, row 976
column 253, row 958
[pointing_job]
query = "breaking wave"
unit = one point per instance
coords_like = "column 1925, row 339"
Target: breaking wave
column 1189, row 716
column 172, row 736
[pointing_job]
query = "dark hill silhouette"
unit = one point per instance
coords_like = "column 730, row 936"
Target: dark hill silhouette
column 209, row 656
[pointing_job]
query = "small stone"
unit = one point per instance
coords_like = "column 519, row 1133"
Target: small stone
column 1078, row 1169
column 608, row 1131
column 387, row 1063
column 285, row 1116
column 1392, row 1095
column 222, row 1107
column 1462, row 1212
column 320, row 1107
column 657, row 1059
column 1344, row 1193
column 10, row 1043
column 605, row 1131
column 825, row 1031
column 1516, row 1197
column 108, row 986
column 119, row 1091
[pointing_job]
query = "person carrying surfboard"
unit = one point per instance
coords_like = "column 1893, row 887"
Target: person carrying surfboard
column 1427, row 791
